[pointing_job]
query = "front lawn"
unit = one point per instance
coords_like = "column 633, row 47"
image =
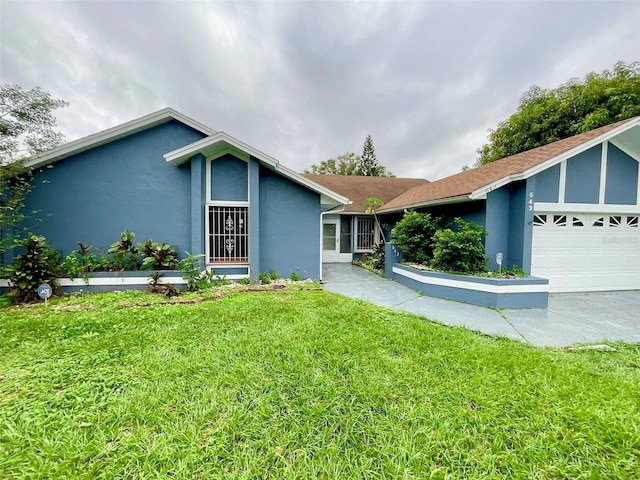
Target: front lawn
column 300, row 384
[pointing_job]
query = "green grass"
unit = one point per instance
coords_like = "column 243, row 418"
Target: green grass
column 300, row 384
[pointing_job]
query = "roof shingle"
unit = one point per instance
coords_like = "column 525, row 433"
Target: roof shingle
column 358, row 189
column 464, row 183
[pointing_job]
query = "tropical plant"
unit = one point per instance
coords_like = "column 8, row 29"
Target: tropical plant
column 37, row 265
column 158, row 256
column 196, row 278
column 125, row 252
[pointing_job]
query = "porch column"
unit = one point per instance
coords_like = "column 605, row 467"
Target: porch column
column 198, row 178
column 254, row 219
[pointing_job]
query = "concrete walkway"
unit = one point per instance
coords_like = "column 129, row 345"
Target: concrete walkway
column 569, row 319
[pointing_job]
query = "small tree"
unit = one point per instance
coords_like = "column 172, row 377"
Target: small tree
column 369, row 166
column 27, row 128
column 372, row 204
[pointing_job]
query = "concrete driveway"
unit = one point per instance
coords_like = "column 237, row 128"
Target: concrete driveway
column 569, row 319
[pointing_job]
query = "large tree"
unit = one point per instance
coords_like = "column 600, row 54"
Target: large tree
column 547, row 115
column 27, row 128
column 351, row 164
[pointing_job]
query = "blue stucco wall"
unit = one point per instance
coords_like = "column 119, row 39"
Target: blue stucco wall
column 229, row 180
column 126, row 184
column 289, row 227
column 548, row 185
column 497, row 226
column 583, row 177
column 621, row 186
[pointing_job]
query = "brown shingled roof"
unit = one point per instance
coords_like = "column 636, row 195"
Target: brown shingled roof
column 358, row 188
column 463, row 184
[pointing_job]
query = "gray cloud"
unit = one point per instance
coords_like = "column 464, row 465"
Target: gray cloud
column 305, row 81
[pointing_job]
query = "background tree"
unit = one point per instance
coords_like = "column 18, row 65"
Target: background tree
column 545, row 116
column 351, row 164
column 345, row 164
column 27, row 128
column 369, row 162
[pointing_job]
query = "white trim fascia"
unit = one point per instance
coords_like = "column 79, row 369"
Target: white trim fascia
column 181, row 155
column 481, row 192
column 459, row 199
column 115, row 133
column 239, row 154
column 478, row 287
column 562, row 181
column 585, row 208
column 603, row 171
column 625, row 149
column 227, row 203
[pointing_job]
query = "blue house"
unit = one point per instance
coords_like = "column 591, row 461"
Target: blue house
column 567, row 211
column 169, row 178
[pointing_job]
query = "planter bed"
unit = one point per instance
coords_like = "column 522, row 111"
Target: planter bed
column 526, row 292
column 111, row 281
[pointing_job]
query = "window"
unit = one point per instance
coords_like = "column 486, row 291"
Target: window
column 560, row 220
column 615, row 221
column 228, row 234
column 632, row 221
column 539, row 220
column 365, row 236
column 577, row 222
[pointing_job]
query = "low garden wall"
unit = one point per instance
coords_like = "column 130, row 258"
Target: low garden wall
column 110, row 281
column 526, row 292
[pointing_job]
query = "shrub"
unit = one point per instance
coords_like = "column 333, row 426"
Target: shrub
column 378, row 256
column 125, row 252
column 414, row 234
column 158, row 256
column 79, row 263
column 196, row 278
column 39, row 264
column 460, row 251
column 268, row 277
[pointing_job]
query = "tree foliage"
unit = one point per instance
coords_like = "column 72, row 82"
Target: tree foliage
column 369, row 166
column 547, row 115
column 351, row 164
column 345, row 164
column 27, row 127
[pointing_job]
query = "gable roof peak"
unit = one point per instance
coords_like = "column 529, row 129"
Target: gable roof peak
column 115, row 133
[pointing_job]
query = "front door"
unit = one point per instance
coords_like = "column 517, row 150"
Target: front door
column 330, row 240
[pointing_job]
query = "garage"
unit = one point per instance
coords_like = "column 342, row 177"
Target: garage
column 582, row 252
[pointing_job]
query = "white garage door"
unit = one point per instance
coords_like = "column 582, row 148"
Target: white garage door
column 586, row 252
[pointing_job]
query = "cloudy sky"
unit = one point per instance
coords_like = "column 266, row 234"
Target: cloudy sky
column 306, row 81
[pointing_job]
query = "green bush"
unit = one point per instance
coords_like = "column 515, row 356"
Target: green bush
column 125, row 252
column 196, row 278
column 37, row 265
column 414, row 234
column 158, row 256
column 460, row 251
